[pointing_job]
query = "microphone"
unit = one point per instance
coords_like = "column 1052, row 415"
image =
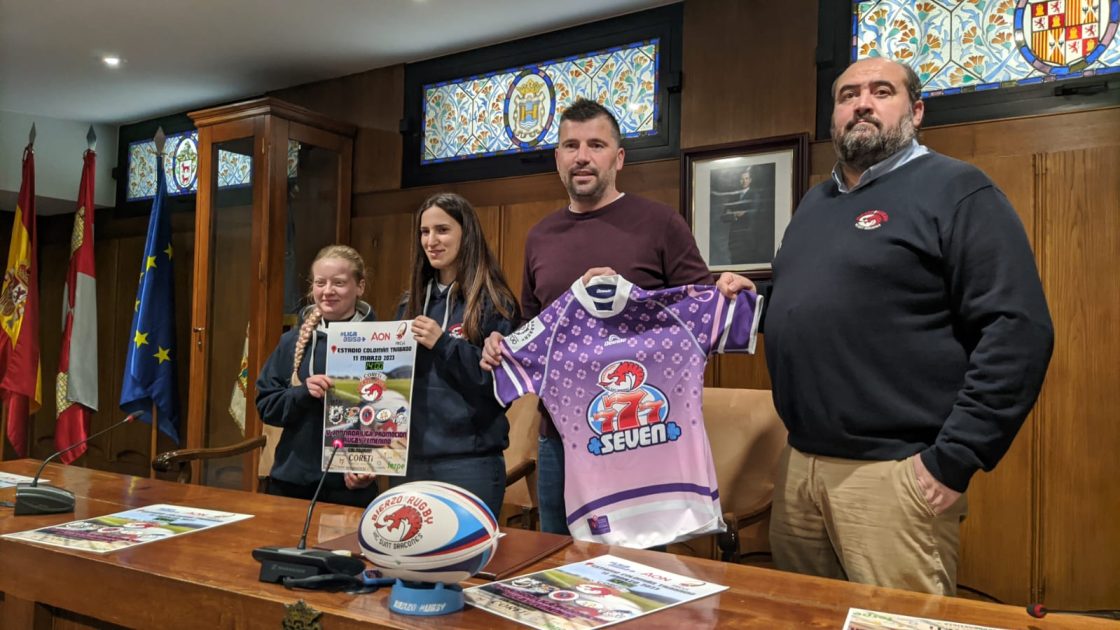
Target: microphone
column 286, row 564
column 1038, row 611
column 31, row 498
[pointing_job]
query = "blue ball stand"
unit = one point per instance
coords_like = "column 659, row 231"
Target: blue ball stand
column 425, row 599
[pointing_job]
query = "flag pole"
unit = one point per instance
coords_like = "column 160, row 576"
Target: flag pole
column 4, row 408
column 160, row 139
column 76, row 384
column 149, row 383
column 153, row 446
column 3, row 430
column 19, row 340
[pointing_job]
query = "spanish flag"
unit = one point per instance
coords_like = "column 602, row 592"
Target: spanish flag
column 76, row 387
column 19, row 316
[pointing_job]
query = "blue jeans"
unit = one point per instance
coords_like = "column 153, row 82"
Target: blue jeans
column 484, row 476
column 550, row 485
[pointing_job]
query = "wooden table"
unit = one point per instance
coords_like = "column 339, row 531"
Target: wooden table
column 209, row 580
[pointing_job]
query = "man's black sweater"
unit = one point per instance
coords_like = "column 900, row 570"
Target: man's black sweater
column 907, row 316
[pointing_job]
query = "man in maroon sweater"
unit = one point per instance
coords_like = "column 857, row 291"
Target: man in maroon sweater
column 601, row 232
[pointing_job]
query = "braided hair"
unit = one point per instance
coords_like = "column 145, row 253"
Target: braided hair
column 305, row 331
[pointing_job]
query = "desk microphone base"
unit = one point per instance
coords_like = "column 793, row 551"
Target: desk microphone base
column 278, row 563
column 42, row 499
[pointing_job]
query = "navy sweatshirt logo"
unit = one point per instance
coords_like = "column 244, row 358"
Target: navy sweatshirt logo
column 871, row 220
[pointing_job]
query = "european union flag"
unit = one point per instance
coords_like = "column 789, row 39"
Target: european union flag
column 149, row 367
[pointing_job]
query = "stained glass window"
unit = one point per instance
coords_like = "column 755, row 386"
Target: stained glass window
column 180, row 164
column 517, row 109
column 959, row 46
column 234, row 169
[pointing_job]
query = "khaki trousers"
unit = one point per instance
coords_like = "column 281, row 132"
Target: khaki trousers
column 863, row 521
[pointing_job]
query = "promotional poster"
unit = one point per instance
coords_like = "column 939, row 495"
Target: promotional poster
column 598, row 592
column 369, row 404
column 860, row 619
column 122, row 530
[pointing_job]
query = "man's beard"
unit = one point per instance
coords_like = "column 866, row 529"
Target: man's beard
column 593, row 194
column 861, row 150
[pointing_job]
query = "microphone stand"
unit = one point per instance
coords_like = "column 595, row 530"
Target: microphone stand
column 300, row 564
column 31, row 498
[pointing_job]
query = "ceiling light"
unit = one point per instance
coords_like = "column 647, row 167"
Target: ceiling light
column 111, row 60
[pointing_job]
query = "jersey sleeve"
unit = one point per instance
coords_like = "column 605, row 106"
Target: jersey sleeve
column 739, row 332
column 718, row 325
column 524, row 354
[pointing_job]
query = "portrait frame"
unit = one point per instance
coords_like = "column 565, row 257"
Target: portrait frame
column 739, row 197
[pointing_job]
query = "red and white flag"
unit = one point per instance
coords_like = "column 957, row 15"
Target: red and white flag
column 76, row 392
column 19, row 315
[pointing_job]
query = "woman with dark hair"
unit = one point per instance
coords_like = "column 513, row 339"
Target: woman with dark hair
column 457, row 297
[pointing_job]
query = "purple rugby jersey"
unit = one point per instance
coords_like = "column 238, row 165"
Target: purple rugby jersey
column 621, row 371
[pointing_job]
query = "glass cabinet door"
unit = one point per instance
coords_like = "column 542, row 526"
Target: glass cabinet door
column 230, row 274
column 311, row 221
column 274, row 188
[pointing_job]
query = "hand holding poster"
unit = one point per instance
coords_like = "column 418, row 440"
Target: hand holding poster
column 369, row 404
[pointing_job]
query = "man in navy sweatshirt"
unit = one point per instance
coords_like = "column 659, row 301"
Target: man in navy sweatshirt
column 907, row 337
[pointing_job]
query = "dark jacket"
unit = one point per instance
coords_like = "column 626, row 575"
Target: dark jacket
column 293, row 408
column 454, row 412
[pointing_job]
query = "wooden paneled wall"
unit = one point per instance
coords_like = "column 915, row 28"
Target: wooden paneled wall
column 1041, row 526
column 118, row 250
column 1076, row 430
column 748, row 70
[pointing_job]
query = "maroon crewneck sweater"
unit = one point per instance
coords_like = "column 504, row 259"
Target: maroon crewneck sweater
column 648, row 243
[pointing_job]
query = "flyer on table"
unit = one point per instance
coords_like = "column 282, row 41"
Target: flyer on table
column 8, row 480
column 591, row 594
column 860, row 619
column 128, row 529
column 369, row 404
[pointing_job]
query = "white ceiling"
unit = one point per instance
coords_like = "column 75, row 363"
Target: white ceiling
column 186, row 54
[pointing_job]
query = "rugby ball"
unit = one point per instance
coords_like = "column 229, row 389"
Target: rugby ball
column 428, row 531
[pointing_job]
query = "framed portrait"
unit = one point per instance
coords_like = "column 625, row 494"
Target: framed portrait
column 739, row 197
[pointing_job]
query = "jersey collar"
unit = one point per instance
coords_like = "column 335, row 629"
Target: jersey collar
column 604, row 296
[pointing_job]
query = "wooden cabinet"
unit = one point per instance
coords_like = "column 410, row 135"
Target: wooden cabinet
column 273, row 188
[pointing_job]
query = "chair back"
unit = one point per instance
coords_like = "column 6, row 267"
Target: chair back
column 521, row 457
column 180, row 460
column 747, row 438
column 268, row 453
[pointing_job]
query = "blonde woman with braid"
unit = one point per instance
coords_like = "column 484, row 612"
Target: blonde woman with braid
column 457, row 297
column 292, row 383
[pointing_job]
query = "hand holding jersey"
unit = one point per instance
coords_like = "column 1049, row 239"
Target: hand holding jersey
column 621, row 372
column 729, row 285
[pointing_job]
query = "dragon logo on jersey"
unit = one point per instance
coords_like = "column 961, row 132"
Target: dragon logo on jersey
column 629, row 413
